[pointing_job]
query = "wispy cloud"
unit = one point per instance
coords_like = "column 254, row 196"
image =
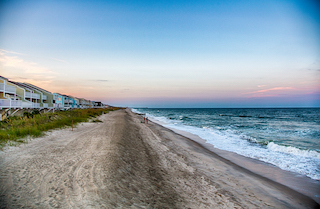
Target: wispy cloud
column 18, row 63
column 59, row 60
column 18, row 69
column 260, row 86
column 10, row 52
column 102, row 80
column 271, row 92
column 17, row 53
column 271, row 89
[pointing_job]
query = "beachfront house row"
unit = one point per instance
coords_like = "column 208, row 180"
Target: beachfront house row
column 25, row 95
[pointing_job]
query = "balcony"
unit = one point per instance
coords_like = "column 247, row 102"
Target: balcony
column 7, row 103
column 44, row 97
column 7, row 88
column 32, row 95
column 35, row 96
column 44, row 105
column 35, row 105
column 58, row 105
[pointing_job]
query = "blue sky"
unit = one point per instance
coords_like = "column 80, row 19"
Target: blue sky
column 166, row 53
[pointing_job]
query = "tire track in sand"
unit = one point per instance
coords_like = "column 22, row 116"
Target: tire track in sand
column 98, row 165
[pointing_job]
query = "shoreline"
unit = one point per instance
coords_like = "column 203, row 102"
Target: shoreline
column 284, row 138
column 297, row 182
column 122, row 162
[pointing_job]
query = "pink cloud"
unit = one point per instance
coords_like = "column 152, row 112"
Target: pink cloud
column 272, row 92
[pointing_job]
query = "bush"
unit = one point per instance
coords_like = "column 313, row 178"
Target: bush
column 34, row 124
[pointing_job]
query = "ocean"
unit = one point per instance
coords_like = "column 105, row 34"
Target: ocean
column 288, row 138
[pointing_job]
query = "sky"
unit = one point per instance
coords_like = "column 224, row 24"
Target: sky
column 228, row 53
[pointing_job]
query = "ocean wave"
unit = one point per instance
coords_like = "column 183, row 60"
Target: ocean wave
column 136, row 111
column 230, row 138
column 287, row 158
column 293, row 150
column 249, row 138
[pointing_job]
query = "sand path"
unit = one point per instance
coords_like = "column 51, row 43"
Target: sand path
column 123, row 163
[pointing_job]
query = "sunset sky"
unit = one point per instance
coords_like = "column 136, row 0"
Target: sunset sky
column 166, row 53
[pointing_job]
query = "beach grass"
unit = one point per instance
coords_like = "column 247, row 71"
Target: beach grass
column 34, row 124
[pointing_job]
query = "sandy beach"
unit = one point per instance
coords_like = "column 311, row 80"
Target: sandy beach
column 124, row 163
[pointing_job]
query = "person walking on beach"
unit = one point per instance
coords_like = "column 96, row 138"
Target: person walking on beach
column 147, row 119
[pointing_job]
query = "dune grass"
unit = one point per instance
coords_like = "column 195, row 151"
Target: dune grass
column 35, row 124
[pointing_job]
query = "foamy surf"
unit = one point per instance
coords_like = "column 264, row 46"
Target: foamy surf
column 290, row 158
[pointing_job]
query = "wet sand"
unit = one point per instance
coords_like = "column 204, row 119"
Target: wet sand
column 123, row 163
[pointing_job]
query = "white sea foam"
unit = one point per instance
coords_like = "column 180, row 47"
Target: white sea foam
column 293, row 150
column 305, row 162
column 135, row 111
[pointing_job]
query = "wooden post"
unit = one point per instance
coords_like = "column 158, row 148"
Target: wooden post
column 72, row 124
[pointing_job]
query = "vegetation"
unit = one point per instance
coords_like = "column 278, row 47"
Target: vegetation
column 34, row 124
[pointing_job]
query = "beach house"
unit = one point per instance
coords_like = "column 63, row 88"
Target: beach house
column 98, row 104
column 13, row 95
column 66, row 101
column 8, row 93
column 70, row 102
column 30, row 94
column 75, row 102
column 84, row 103
column 46, row 97
column 58, row 101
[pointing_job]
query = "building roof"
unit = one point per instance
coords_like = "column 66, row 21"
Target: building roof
column 22, row 85
column 4, row 78
column 36, row 87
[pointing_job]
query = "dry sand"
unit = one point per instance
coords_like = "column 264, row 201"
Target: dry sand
column 123, row 163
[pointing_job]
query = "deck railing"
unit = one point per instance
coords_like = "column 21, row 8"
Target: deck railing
column 8, row 103
column 8, row 88
column 32, row 95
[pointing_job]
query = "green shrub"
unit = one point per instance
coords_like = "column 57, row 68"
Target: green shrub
column 34, row 124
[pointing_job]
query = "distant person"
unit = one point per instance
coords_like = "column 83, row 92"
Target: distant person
column 147, row 119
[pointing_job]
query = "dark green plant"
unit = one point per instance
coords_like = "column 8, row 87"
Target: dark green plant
column 35, row 112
